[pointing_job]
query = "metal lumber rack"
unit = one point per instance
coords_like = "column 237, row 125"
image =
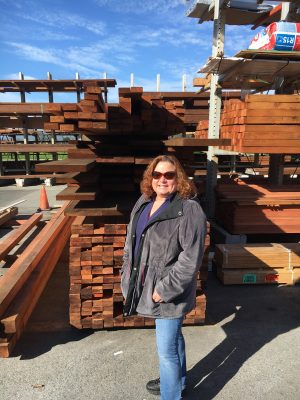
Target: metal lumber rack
column 47, row 120
column 224, row 72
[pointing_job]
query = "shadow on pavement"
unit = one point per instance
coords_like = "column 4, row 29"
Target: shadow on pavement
column 258, row 314
column 34, row 344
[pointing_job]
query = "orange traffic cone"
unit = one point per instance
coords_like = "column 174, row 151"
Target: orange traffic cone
column 44, row 204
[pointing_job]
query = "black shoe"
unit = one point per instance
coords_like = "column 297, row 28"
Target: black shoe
column 154, row 386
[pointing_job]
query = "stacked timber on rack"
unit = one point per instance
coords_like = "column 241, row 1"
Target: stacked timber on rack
column 35, row 115
column 103, row 178
column 253, row 209
column 114, row 160
column 96, row 256
column 260, row 124
column 262, row 263
column 155, row 113
column 25, row 279
column 88, row 114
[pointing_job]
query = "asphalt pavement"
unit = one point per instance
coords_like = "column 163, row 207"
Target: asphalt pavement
column 248, row 349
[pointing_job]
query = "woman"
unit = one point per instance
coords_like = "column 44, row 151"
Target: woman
column 162, row 255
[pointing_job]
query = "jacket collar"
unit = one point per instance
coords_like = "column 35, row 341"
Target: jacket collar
column 174, row 210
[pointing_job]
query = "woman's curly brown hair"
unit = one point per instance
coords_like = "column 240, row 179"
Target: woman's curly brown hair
column 185, row 187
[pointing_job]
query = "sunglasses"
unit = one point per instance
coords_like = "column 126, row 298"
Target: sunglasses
column 168, row 175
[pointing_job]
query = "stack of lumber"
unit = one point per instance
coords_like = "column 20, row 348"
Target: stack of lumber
column 260, row 124
column 96, row 256
column 87, row 115
column 159, row 112
column 24, row 280
column 262, row 263
column 253, row 209
column 115, row 158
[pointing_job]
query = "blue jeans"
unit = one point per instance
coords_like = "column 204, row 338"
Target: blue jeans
column 172, row 360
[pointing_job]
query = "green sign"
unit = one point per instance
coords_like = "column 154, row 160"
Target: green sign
column 249, row 278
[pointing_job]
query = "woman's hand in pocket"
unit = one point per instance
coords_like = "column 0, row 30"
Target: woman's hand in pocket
column 156, row 297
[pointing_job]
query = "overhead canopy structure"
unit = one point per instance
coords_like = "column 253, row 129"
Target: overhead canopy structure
column 241, row 12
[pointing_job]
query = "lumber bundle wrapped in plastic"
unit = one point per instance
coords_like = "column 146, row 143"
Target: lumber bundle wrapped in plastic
column 282, row 36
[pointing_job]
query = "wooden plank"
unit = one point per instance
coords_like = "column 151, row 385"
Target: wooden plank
column 77, row 209
column 56, row 85
column 184, row 142
column 23, row 108
column 67, row 127
column 35, row 148
column 79, row 178
column 7, row 214
column 86, row 125
column 18, row 273
column 76, row 165
column 36, row 122
column 77, row 193
column 269, row 149
column 276, row 98
column 115, row 160
column 7, row 244
column 19, row 311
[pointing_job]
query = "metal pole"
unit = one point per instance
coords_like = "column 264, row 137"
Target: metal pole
column 24, row 129
column 77, row 77
column 131, row 80
column 50, row 91
column 214, row 109
column 158, row 82
column 105, row 87
column 184, row 82
column 50, row 98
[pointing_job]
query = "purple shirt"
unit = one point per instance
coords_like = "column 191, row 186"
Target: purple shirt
column 145, row 218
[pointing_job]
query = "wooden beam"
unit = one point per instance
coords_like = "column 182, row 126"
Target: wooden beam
column 68, row 85
column 19, row 311
column 267, row 15
column 191, row 142
column 35, row 148
column 73, row 165
column 14, row 279
column 5, row 215
column 77, row 193
column 7, row 244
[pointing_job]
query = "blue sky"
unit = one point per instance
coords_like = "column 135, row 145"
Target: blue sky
column 119, row 37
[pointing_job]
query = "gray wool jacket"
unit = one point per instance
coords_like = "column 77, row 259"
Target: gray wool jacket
column 169, row 258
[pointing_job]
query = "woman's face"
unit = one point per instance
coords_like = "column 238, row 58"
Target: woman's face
column 162, row 186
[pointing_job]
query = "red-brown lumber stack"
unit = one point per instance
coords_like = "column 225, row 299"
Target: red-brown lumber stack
column 262, row 263
column 87, row 115
column 96, row 256
column 158, row 113
column 260, row 124
column 248, row 209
